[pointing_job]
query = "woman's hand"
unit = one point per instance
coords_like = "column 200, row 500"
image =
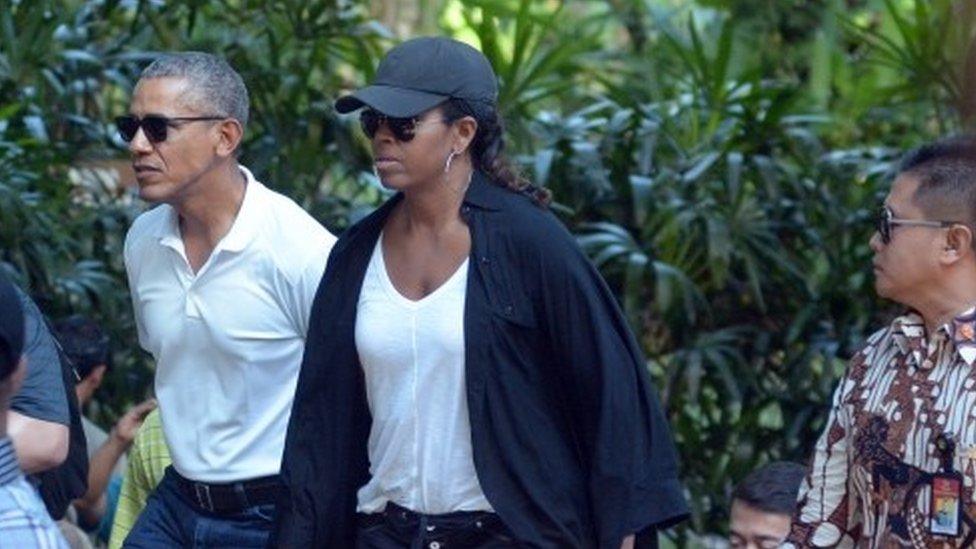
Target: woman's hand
column 628, row 542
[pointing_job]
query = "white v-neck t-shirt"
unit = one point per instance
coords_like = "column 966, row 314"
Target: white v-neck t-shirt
column 412, row 354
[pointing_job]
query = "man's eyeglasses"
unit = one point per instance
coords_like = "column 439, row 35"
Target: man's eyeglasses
column 154, row 126
column 887, row 220
column 403, row 129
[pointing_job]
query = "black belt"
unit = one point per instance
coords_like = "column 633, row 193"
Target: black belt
column 231, row 497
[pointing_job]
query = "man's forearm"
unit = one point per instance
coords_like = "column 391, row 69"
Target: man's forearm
column 40, row 445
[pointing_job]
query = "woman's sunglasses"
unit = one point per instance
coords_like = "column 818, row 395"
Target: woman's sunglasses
column 154, row 126
column 887, row 220
column 403, row 129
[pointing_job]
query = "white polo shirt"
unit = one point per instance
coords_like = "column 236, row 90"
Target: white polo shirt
column 228, row 340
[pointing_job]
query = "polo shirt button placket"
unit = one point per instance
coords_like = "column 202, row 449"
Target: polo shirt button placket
column 190, row 304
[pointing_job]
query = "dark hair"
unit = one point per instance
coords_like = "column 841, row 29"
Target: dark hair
column 946, row 173
column 488, row 147
column 772, row 488
column 84, row 342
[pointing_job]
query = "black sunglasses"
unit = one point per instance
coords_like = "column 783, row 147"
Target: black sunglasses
column 887, row 220
column 403, row 129
column 155, row 126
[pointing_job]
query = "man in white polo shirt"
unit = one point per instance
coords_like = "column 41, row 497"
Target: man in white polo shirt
column 222, row 274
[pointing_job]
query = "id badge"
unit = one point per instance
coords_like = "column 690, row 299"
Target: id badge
column 945, row 509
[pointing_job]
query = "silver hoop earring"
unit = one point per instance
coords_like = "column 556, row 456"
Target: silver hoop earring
column 450, row 158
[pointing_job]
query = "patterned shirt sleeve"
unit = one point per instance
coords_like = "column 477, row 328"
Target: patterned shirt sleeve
column 825, row 514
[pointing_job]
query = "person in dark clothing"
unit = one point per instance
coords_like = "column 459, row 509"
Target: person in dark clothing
column 468, row 378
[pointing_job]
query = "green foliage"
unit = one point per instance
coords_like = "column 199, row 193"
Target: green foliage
column 734, row 226
column 920, row 50
column 719, row 161
column 540, row 53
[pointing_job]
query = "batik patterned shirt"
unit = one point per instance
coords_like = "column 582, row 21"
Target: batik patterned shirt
column 869, row 483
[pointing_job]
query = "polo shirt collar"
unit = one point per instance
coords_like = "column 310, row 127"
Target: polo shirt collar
column 245, row 225
column 168, row 232
column 241, row 232
column 9, row 466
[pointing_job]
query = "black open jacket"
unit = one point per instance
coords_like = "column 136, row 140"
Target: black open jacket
column 569, row 440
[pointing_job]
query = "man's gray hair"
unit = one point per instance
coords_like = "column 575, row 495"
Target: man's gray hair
column 214, row 85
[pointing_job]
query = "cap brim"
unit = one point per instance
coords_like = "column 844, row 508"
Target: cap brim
column 391, row 101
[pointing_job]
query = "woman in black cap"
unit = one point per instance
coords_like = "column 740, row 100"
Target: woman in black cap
column 468, row 380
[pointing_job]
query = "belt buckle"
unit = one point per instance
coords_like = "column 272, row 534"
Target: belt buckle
column 203, row 491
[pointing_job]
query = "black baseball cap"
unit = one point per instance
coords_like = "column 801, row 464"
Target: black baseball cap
column 422, row 73
column 11, row 328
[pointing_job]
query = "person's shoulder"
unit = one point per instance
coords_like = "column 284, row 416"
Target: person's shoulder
column 881, row 343
column 882, row 336
column 292, row 237
column 146, row 225
column 289, row 221
column 896, row 333
column 531, row 227
column 29, row 524
column 358, row 234
column 19, row 497
column 33, row 317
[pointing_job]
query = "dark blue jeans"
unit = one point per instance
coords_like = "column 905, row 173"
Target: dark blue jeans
column 399, row 528
column 170, row 520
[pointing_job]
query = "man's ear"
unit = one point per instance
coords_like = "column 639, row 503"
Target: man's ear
column 231, row 133
column 958, row 243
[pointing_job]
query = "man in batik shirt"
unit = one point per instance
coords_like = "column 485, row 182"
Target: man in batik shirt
column 896, row 463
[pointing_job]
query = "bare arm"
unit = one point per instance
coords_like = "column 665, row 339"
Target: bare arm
column 40, row 445
column 91, row 506
column 628, row 542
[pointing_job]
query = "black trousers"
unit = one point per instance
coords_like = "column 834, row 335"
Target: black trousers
column 400, row 528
